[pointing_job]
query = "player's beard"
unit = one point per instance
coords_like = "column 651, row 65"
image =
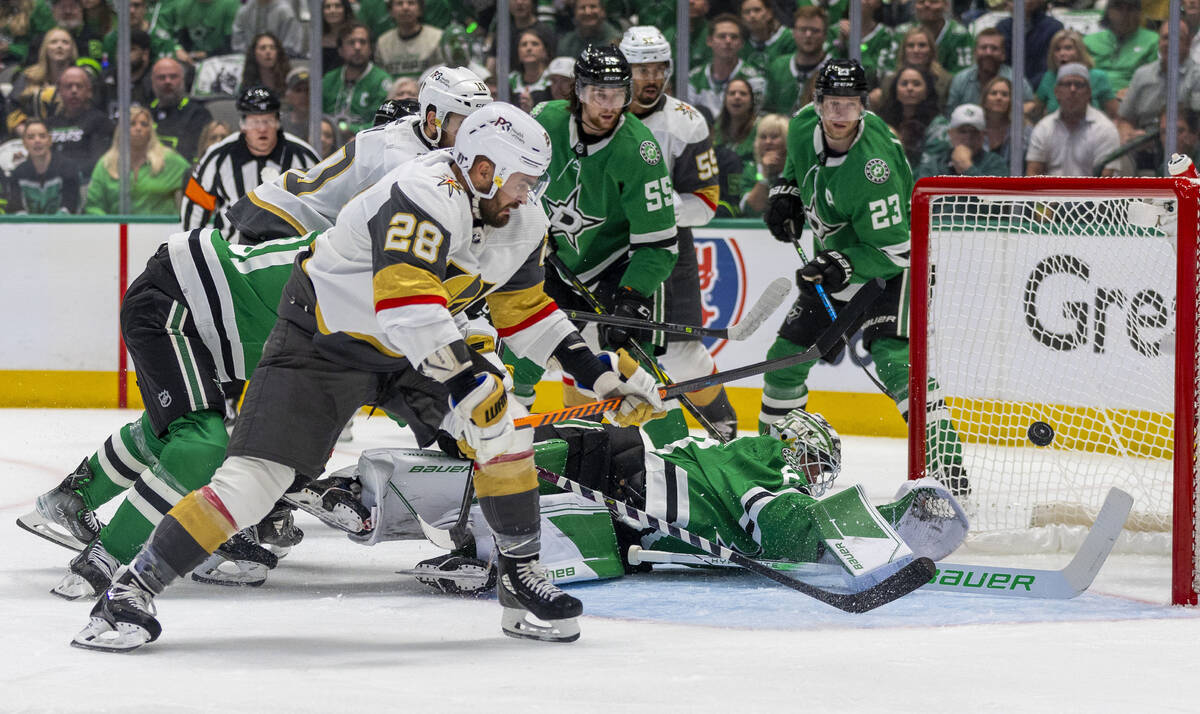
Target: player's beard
column 491, row 210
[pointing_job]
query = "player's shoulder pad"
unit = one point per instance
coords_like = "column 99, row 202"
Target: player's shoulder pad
column 430, row 187
column 639, row 137
column 685, row 121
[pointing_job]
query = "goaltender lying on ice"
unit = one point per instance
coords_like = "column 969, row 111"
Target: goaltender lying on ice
column 763, row 496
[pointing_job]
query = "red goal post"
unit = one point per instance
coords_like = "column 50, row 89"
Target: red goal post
column 1047, row 358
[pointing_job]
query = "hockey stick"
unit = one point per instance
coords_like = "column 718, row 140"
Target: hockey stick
column 758, row 313
column 634, row 347
column 902, row 582
column 825, row 341
column 1062, row 584
column 833, row 316
column 1071, row 580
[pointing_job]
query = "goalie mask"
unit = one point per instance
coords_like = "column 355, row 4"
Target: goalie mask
column 812, row 449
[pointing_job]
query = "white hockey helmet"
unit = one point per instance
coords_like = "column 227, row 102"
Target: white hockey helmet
column 448, row 90
column 643, row 44
column 510, row 139
column 812, row 448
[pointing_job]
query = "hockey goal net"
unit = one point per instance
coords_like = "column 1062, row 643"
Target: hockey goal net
column 1054, row 347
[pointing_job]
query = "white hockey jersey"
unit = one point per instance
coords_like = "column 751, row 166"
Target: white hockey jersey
column 301, row 201
column 404, row 255
column 686, row 144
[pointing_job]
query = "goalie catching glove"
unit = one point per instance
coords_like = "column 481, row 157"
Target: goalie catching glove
column 626, row 378
column 829, row 268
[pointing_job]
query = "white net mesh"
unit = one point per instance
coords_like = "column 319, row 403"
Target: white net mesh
column 1051, row 362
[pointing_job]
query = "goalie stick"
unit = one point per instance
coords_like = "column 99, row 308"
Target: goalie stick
column 758, row 313
column 902, row 582
column 1063, row 584
column 827, row 339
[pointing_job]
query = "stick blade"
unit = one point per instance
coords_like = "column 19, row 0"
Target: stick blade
column 767, row 304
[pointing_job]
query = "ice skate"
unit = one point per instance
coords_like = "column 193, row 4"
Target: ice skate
column 122, row 619
column 61, row 516
column 278, row 530
column 239, row 561
column 454, row 574
column 334, row 500
column 524, row 590
column 91, row 573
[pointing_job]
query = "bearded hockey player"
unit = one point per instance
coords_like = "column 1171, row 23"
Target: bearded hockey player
column 847, row 176
column 686, row 144
column 367, row 318
column 301, row 201
column 610, row 203
column 768, row 497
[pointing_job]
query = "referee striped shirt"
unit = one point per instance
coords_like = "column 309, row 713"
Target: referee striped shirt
column 228, row 171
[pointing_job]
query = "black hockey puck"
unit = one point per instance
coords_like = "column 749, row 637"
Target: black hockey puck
column 1041, row 433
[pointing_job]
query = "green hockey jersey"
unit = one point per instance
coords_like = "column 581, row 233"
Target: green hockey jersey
column 625, row 219
column 857, row 203
column 233, row 292
column 741, row 494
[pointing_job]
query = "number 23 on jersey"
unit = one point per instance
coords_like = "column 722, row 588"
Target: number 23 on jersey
column 885, row 212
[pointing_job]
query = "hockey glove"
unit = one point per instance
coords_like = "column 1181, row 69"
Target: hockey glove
column 785, row 210
column 481, row 420
column 626, row 378
column 830, row 268
column 628, row 303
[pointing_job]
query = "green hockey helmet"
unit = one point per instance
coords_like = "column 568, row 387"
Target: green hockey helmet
column 812, row 449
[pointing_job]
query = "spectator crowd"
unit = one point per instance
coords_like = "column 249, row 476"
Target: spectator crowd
column 1093, row 85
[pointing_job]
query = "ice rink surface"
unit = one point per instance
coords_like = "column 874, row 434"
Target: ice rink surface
column 334, row 629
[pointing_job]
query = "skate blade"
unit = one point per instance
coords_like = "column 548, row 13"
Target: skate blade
column 467, row 580
column 341, row 517
column 73, row 587
column 235, row 573
column 40, row 526
column 101, row 636
column 516, row 622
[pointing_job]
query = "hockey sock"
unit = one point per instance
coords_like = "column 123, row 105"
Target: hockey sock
column 185, row 537
column 115, row 465
column 783, row 389
column 526, row 374
column 943, row 449
column 513, row 519
column 192, row 450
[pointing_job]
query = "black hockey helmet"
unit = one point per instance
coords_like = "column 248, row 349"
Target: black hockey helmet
column 841, row 78
column 258, row 100
column 393, row 109
column 603, row 66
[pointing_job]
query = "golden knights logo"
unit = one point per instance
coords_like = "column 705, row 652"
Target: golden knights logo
column 568, row 221
column 452, row 185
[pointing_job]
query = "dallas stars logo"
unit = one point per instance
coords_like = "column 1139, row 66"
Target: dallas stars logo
column 568, row 221
column 451, row 184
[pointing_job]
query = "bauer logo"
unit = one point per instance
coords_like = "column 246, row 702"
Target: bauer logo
column 722, row 285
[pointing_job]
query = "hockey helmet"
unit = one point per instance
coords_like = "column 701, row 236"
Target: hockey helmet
column 841, row 78
column 393, row 109
column 644, row 44
column 257, row 100
column 448, row 90
column 603, row 66
column 510, row 139
column 812, row 449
